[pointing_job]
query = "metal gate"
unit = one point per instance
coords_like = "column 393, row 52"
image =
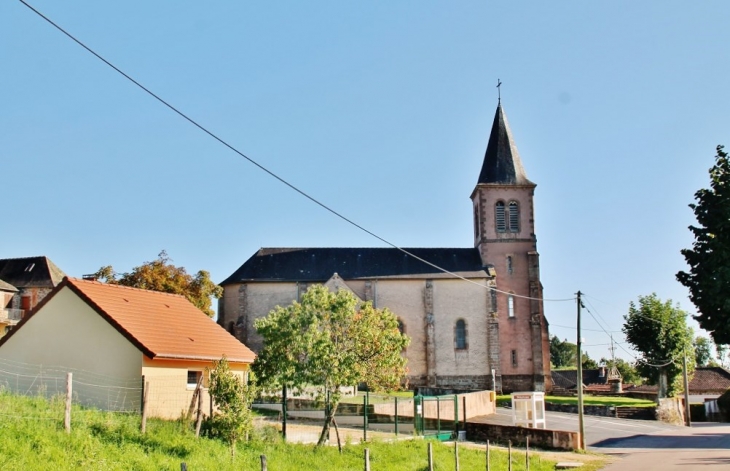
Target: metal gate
column 436, row 417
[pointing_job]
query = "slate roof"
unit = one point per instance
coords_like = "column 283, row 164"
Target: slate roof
column 502, row 163
column 30, row 272
column 160, row 325
column 319, row 264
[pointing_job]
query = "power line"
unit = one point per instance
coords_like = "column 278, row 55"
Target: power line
column 266, row 170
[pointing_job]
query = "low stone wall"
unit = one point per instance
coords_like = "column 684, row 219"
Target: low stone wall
column 540, row 438
column 636, row 413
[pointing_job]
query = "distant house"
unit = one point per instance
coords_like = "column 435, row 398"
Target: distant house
column 24, row 282
column 595, row 379
column 116, row 336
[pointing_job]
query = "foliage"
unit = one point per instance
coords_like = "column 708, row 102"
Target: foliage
column 703, row 351
column 328, row 341
column 659, row 331
column 161, row 275
column 708, row 279
column 629, row 374
column 721, row 354
column 233, row 398
column 32, row 438
column 562, row 353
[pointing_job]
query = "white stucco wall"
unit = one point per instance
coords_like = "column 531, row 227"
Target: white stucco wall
column 66, row 332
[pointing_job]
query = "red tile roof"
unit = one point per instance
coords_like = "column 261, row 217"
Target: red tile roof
column 161, row 325
column 709, row 380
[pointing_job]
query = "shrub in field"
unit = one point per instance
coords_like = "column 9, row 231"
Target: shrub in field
column 233, row 397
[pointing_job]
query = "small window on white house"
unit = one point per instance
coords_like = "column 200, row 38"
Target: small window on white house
column 510, row 305
column 460, row 335
column 499, row 216
column 514, row 217
column 193, row 378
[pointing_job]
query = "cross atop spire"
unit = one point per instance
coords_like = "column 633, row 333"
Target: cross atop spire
column 499, row 92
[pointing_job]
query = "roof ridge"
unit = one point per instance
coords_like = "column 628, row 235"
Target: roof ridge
column 116, row 285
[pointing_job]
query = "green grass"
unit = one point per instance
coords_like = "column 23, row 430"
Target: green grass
column 32, row 438
column 504, row 400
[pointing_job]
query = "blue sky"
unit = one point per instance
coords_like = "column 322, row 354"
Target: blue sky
column 381, row 110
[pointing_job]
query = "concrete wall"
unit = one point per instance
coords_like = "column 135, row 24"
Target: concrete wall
column 169, row 396
column 477, row 403
column 541, row 438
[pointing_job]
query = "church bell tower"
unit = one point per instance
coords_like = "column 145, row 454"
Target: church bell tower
column 504, row 234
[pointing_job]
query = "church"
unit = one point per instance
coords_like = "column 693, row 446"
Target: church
column 484, row 328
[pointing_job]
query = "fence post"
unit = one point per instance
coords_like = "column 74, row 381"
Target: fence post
column 183, row 466
column 141, row 396
column 199, row 419
column 527, row 454
column 456, row 455
column 264, row 466
column 366, row 402
column 396, row 416
column 438, row 415
column 283, row 411
column 67, row 415
column 430, row 456
column 456, row 416
column 509, row 455
column 367, row 459
column 487, row 455
column 145, row 395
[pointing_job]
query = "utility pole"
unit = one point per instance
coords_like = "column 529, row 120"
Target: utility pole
column 687, row 419
column 581, row 427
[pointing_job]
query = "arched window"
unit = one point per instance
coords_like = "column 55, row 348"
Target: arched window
column 510, row 305
column 514, row 217
column 460, row 335
column 401, row 326
column 499, row 216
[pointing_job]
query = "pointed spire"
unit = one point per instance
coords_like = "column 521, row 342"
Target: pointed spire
column 502, row 164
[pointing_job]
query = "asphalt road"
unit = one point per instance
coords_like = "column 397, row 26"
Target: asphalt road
column 645, row 445
column 600, row 431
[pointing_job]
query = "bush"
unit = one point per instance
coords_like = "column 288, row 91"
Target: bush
column 723, row 402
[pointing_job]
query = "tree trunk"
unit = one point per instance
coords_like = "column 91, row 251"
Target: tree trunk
column 328, row 418
column 337, row 432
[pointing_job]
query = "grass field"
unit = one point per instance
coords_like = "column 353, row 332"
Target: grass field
column 32, row 437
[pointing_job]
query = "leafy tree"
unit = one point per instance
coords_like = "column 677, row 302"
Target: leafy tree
column 660, row 333
column 703, row 351
column 328, row 340
column 588, row 362
column 721, row 353
column 562, row 353
column 708, row 279
column 161, row 275
column 233, row 397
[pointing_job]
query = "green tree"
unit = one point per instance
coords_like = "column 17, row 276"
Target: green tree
column 161, row 275
column 327, row 340
column 659, row 332
column 721, row 353
column 233, row 398
column 562, row 353
column 703, row 351
column 708, row 279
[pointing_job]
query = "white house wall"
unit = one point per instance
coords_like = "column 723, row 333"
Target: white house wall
column 66, row 332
